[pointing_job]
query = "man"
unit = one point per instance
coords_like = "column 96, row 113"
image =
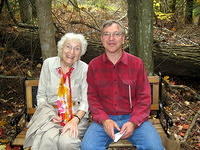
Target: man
column 119, row 96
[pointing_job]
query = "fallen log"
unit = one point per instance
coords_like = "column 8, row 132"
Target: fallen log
column 177, row 60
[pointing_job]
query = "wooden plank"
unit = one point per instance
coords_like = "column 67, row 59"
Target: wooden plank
column 29, row 99
column 155, row 90
column 29, row 102
column 19, row 140
column 31, row 83
column 154, row 106
column 154, row 79
column 121, row 144
column 30, row 111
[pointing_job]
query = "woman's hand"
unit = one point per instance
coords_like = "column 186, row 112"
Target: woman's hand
column 57, row 119
column 72, row 127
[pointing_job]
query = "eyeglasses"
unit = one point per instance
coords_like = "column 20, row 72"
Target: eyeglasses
column 68, row 47
column 114, row 34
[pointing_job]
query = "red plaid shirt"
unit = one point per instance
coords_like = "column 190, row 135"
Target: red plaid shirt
column 118, row 89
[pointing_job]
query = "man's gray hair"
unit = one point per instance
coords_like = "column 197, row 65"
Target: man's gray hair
column 72, row 36
column 110, row 22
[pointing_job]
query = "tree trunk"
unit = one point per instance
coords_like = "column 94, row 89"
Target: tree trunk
column 1, row 5
column 177, row 60
column 131, row 26
column 140, row 14
column 25, row 11
column 188, row 11
column 173, row 6
column 46, row 28
column 33, row 5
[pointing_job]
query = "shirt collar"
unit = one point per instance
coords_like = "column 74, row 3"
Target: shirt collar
column 123, row 59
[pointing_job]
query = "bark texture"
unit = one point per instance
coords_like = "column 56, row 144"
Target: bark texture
column 140, row 14
column 46, row 28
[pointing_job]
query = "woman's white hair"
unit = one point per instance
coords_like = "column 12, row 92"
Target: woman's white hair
column 72, row 36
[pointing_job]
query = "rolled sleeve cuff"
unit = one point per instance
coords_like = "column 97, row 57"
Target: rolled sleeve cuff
column 137, row 122
column 83, row 108
column 101, row 118
column 41, row 101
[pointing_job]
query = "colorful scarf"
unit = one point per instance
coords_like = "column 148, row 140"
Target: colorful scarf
column 64, row 102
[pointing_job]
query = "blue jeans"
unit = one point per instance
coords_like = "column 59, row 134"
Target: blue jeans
column 145, row 137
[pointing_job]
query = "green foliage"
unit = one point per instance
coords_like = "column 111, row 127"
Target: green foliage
column 14, row 6
column 103, row 4
column 196, row 10
column 160, row 15
column 164, row 16
column 156, row 5
column 98, row 3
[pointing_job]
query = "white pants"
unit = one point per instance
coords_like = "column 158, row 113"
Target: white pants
column 64, row 141
column 43, row 134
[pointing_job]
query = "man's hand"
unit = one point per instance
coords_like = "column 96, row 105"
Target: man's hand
column 128, row 128
column 109, row 126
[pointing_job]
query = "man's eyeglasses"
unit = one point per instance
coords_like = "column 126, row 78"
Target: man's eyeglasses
column 114, row 34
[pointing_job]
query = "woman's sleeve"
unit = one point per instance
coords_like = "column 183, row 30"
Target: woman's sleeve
column 84, row 88
column 42, row 87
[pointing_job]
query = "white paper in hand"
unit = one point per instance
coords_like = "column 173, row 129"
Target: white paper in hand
column 118, row 135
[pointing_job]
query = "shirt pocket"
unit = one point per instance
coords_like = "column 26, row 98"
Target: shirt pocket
column 128, row 88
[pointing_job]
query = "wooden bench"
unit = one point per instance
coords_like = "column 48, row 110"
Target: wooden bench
column 31, row 91
column 31, row 87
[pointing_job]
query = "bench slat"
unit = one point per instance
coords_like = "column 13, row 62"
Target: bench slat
column 19, row 140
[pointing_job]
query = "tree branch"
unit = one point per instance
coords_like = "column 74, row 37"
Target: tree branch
column 85, row 12
column 78, row 22
column 191, row 126
column 1, row 5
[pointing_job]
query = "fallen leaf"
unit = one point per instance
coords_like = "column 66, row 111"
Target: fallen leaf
column 185, row 126
column 2, row 147
column 166, row 78
column 187, row 103
column 181, row 134
column 29, row 73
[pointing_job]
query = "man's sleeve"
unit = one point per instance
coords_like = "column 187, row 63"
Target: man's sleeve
column 142, row 102
column 98, row 114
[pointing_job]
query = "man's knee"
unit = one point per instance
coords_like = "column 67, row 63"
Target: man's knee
column 153, row 146
column 86, row 146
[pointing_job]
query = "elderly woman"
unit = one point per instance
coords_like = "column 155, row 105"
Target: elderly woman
column 60, row 119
